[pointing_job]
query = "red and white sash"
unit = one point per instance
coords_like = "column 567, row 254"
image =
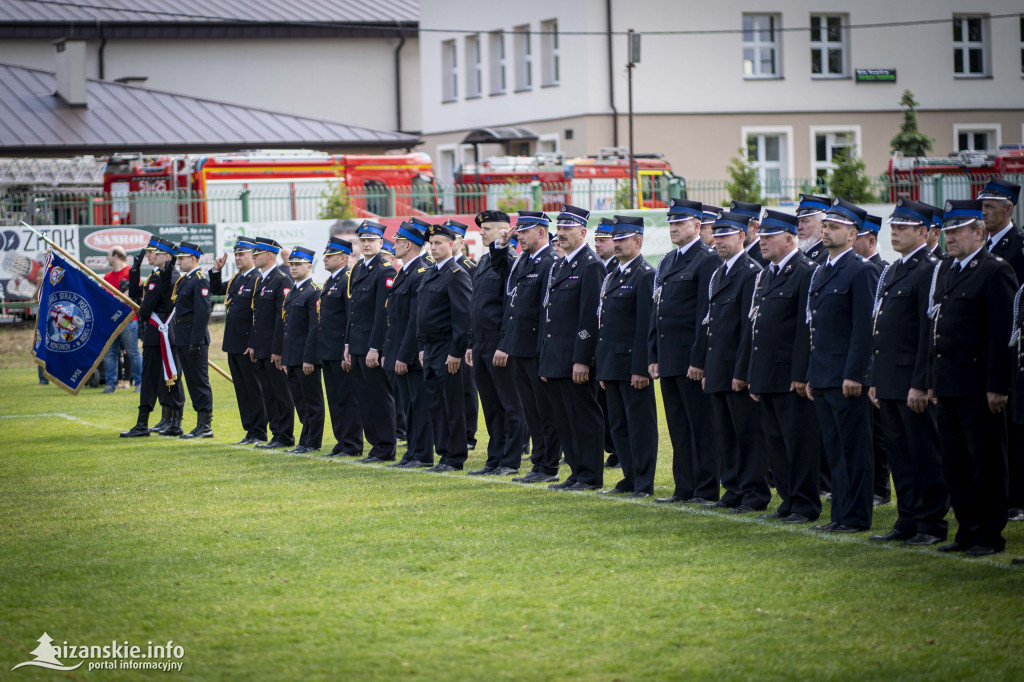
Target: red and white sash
column 166, row 352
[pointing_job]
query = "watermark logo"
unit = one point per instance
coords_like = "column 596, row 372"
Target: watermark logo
column 114, row 656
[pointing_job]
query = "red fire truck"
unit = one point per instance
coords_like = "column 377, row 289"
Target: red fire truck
column 274, row 185
column 921, row 178
column 590, row 181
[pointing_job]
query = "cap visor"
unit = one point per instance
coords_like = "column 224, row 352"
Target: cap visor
column 905, row 221
column 726, row 231
column 833, row 218
column 959, row 221
column 993, row 195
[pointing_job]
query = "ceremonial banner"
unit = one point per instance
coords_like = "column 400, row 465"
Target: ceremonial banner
column 78, row 320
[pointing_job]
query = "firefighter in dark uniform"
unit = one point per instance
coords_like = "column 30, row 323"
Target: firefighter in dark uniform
column 1006, row 240
column 624, row 321
column 154, row 297
column 810, row 213
column 330, row 344
column 503, row 412
column 935, row 232
column 778, row 343
column 752, row 240
column 971, row 306
column 568, row 342
column 368, row 286
column 724, row 369
column 469, row 393
column 192, row 307
column 899, row 386
column 265, row 343
column 709, row 214
column 676, row 340
column 604, row 247
column 238, row 293
column 401, row 354
column 299, row 358
column 443, row 331
column 1017, row 349
column 519, row 346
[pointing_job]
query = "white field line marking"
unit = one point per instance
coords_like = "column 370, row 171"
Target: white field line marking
column 62, row 416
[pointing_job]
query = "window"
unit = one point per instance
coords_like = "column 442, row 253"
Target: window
column 474, row 71
column 770, row 153
column 1022, row 45
column 524, row 58
column 498, row 63
column 977, row 137
column 760, row 46
column 828, row 46
column 549, row 52
column 827, row 143
column 449, row 72
column 969, row 54
column 548, row 144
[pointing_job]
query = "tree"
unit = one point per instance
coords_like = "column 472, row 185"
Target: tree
column 910, row 141
column 622, row 196
column 849, row 179
column 339, row 204
column 512, row 200
column 743, row 184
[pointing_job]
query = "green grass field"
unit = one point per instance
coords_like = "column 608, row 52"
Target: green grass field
column 274, row 567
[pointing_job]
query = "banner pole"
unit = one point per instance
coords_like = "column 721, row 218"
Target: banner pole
column 220, row 371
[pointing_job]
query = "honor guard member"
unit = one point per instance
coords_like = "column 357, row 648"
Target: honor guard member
column 866, row 246
column 1017, row 388
column 192, row 307
column 624, row 321
column 899, row 387
column 154, row 297
column 810, row 213
column 299, row 358
column 401, row 409
column 238, row 293
column 469, row 394
column 266, row 341
column 503, row 412
column 443, row 331
column 725, row 367
column 368, row 287
column 677, row 338
column 934, row 232
column 401, row 354
column 778, row 343
column 752, row 240
column 330, row 342
column 707, row 224
column 567, row 350
column 971, row 307
column 604, row 247
column 519, row 345
column 839, row 303
column 1006, row 240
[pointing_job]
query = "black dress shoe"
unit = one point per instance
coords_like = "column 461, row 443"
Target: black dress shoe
column 536, row 477
column 246, row 441
column 773, row 515
column 1017, row 562
column 742, row 509
column 953, row 547
column 1015, row 514
column 370, row 459
column 417, row 464
column 273, row 445
column 922, row 539
column 670, row 500
column 891, row 535
column 716, row 505
column 826, row 526
column 338, row 452
column 482, row 472
column 698, row 500
column 879, row 501
column 504, row 471
column 639, row 494
column 796, row 518
column 400, row 464
column 582, row 486
column 442, row 468
column 561, row 486
column 613, row 491
column 983, row 550
column 844, row 528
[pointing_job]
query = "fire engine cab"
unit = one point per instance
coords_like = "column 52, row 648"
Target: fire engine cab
column 909, row 176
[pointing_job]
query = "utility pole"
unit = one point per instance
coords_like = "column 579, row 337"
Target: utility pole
column 633, row 53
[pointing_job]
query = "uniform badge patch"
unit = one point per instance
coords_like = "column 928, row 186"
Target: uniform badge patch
column 151, row 287
column 286, row 290
column 583, row 334
column 388, row 282
column 205, row 292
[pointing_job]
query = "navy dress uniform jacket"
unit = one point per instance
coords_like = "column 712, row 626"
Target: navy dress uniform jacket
column 192, row 307
column 817, row 252
column 400, row 343
column 333, row 322
column 569, row 328
column 626, row 301
column 267, row 335
column 301, row 325
column 731, row 293
column 153, row 296
column 489, row 298
column 526, row 278
column 443, row 308
column 369, row 284
column 1011, row 249
column 238, row 294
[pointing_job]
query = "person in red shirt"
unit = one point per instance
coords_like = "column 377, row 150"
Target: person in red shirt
column 129, row 338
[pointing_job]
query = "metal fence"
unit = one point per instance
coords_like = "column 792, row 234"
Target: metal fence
column 285, row 203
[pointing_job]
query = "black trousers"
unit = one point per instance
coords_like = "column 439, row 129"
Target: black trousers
column 973, row 445
column 472, row 402
column 197, row 376
column 609, row 442
column 308, row 396
column 880, row 455
column 633, row 420
column 913, row 443
column 744, row 464
column 1014, row 460
column 277, row 400
column 845, row 425
column 376, row 407
column 248, row 395
column 793, row 442
column 341, row 400
column 401, row 408
column 153, row 386
column 445, row 396
column 503, row 411
column 580, row 427
column 695, row 459
column 545, row 450
column 419, row 432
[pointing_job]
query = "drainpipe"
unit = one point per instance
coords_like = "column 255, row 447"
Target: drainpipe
column 611, row 77
column 398, row 81
column 103, row 45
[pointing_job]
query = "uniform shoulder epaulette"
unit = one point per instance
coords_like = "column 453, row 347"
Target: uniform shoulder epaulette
column 931, row 258
column 421, row 270
column 998, row 258
column 386, row 264
column 200, row 274
column 645, row 266
column 456, row 268
column 751, row 265
column 316, row 287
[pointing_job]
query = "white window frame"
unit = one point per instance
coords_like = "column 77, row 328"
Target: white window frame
column 474, row 68
column 447, row 176
column 831, row 130
column 824, row 45
column 1022, row 47
column 550, row 69
column 994, row 131
column 757, row 46
column 785, row 149
column 524, row 58
column 550, row 137
column 964, row 46
column 449, row 71
column 499, row 66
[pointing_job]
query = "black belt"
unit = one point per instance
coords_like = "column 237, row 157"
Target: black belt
column 182, row 320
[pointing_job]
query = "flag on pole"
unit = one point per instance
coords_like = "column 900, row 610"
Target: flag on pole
column 78, row 320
